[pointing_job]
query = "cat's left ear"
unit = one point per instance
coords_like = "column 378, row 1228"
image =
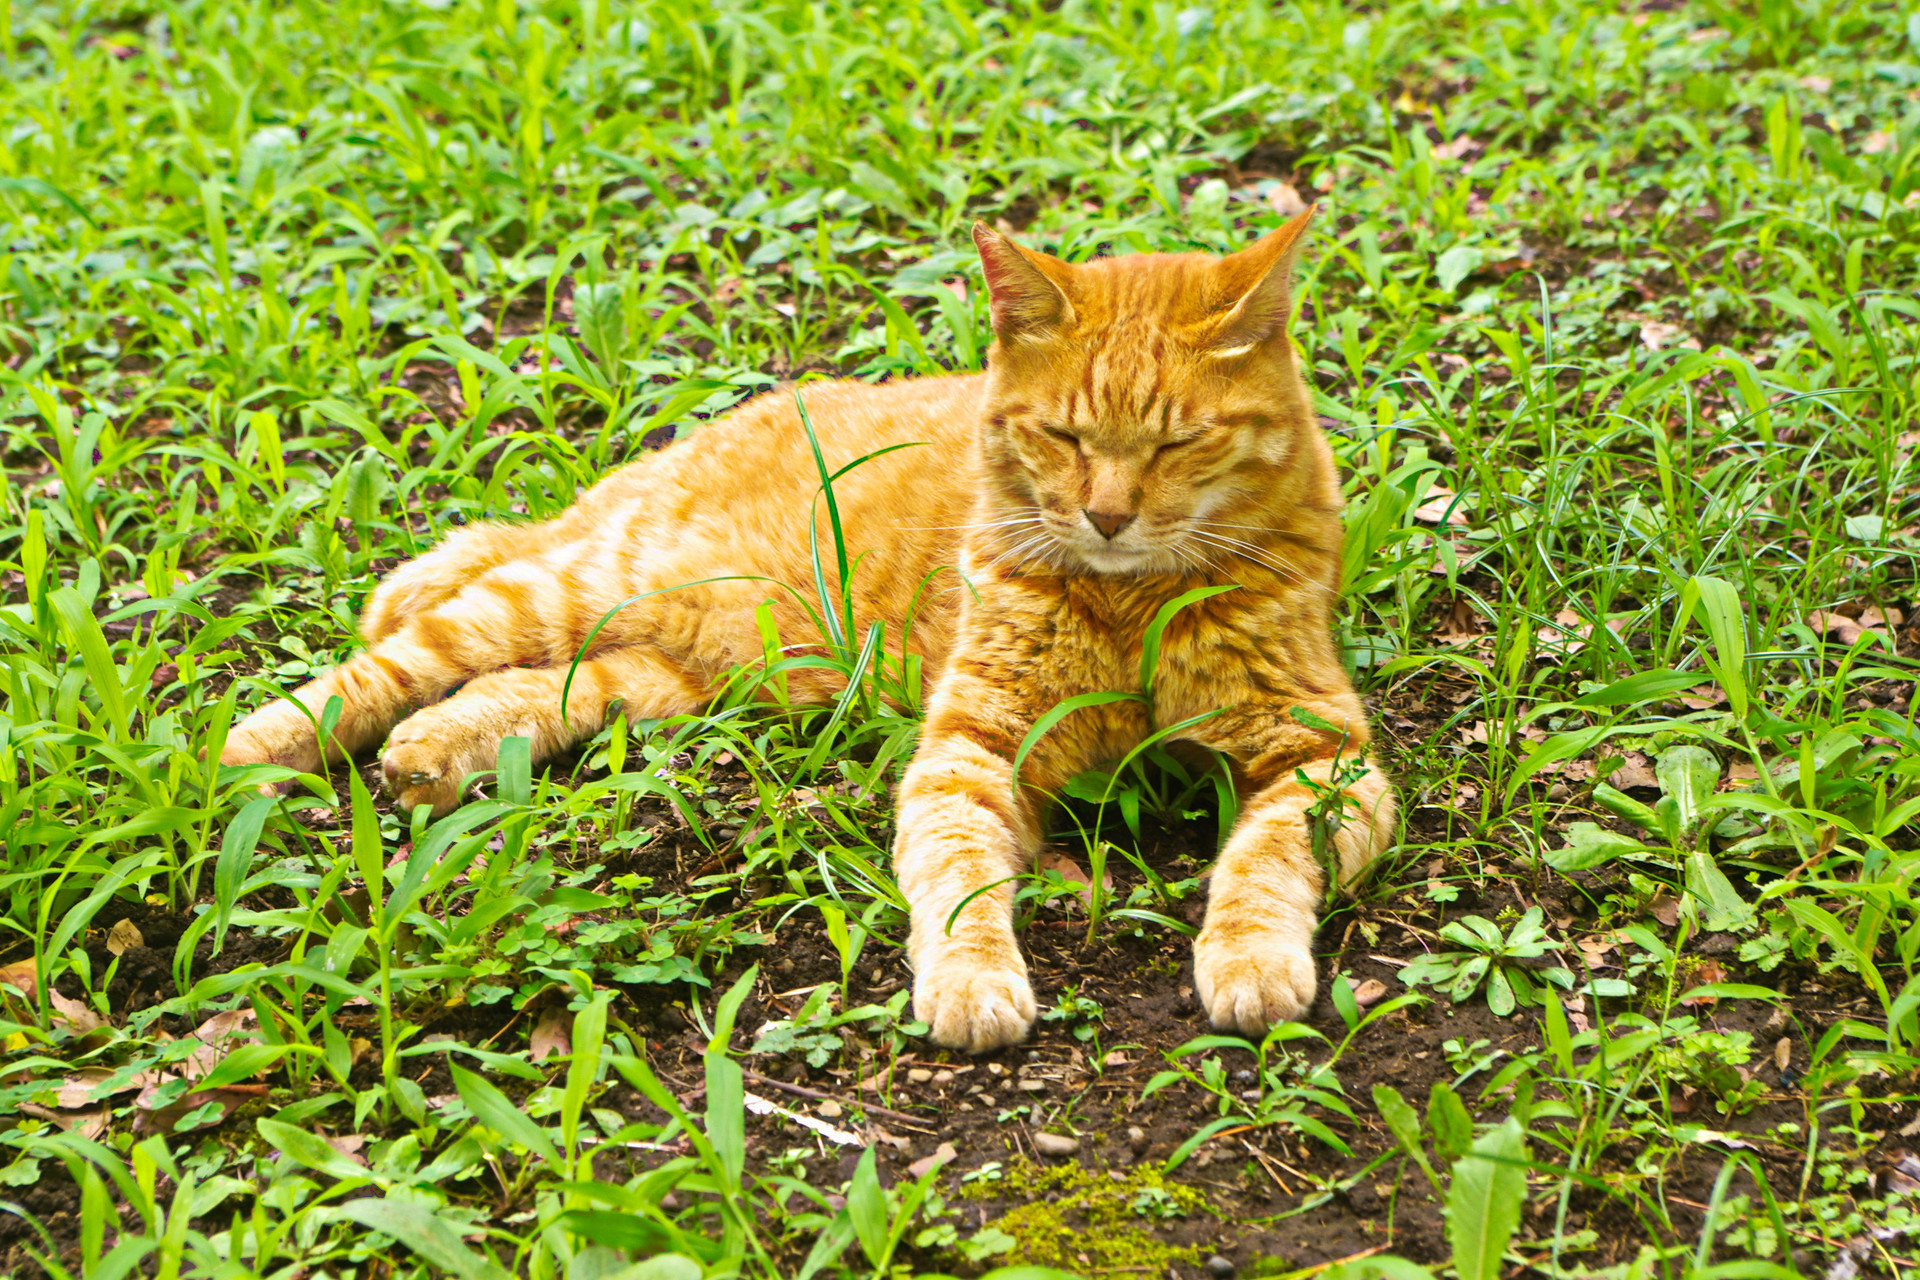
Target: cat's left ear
column 1260, row 280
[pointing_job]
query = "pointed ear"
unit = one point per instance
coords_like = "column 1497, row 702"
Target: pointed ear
column 1260, row 280
column 1027, row 288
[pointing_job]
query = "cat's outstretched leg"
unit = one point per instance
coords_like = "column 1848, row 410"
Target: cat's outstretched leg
column 495, row 621
column 963, row 836
column 1253, row 961
column 434, row 750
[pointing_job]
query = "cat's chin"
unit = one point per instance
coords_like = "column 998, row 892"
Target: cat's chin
column 1113, row 562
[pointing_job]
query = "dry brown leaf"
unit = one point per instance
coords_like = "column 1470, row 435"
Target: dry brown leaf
column 1455, row 147
column 348, row 1145
column 552, row 1035
column 1443, row 506
column 1369, row 992
column 75, row 1014
column 124, row 936
column 1711, row 971
column 1876, row 142
column 1460, row 624
column 1848, row 630
column 218, row 1036
column 1475, row 734
column 21, row 974
column 1665, row 908
column 1073, row 873
column 942, row 1154
column 1743, row 771
column 1636, row 772
column 1656, row 335
column 1594, row 950
column 1703, row 697
column 150, row 1119
column 90, row 1123
column 1815, row 84
column 1285, row 200
column 1782, row 1053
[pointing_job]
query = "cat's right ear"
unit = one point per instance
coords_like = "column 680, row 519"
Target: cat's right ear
column 1027, row 288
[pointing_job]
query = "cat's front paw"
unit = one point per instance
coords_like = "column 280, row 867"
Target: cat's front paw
column 420, row 771
column 1255, row 979
column 974, row 1004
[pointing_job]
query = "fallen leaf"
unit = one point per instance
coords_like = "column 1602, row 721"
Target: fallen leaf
column 1284, row 200
column 1475, row 734
column 77, row 1090
column 1460, row 623
column 348, row 1145
column 88, row 1124
column 1782, row 1053
column 551, row 1035
column 76, row 1015
column 1637, row 771
column 1443, row 506
column 897, row 1143
column 1073, row 873
column 1594, row 950
column 1703, row 697
column 21, row 974
column 1848, row 630
column 1876, row 142
column 1815, row 84
column 1711, row 971
column 1655, row 335
column 124, row 936
column 1369, row 992
column 164, row 1119
column 942, row 1154
column 1455, row 147
column 218, row 1036
column 1665, row 908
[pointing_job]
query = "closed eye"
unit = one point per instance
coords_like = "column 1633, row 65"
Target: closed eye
column 1065, row 437
column 1171, row 445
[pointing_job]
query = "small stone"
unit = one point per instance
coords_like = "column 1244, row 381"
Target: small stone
column 1055, row 1144
column 1033, row 1086
column 1220, row 1268
column 831, row 1109
column 987, row 1100
column 1243, row 1076
column 995, row 1069
column 943, row 1076
column 918, row 1075
column 1136, row 1137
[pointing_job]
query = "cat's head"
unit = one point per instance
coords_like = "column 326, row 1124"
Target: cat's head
column 1141, row 412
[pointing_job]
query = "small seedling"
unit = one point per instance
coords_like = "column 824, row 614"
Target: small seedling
column 1486, row 955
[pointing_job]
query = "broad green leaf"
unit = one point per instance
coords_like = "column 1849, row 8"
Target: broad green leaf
column 310, row 1149
column 867, row 1208
column 1456, row 264
column 1688, row 773
column 496, row 1111
column 236, row 859
column 1447, row 1116
column 413, row 1224
column 1724, row 908
column 1484, row 1202
column 1589, row 845
column 1404, row 1123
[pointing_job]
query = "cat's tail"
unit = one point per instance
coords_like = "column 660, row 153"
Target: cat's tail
column 442, row 573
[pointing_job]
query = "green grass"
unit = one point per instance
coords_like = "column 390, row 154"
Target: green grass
column 1612, row 315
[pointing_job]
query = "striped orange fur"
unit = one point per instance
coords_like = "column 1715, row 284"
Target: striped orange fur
column 1142, row 429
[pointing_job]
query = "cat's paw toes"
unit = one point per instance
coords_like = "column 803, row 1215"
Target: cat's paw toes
column 1251, row 982
column 973, row 1005
column 419, row 773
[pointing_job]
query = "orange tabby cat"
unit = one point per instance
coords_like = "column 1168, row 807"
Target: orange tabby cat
column 1142, row 429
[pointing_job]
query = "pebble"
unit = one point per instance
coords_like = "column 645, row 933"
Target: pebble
column 1033, row 1086
column 1055, row 1144
column 1220, row 1267
column 1136, row 1137
column 831, row 1110
column 918, row 1075
column 995, row 1069
column 943, row 1076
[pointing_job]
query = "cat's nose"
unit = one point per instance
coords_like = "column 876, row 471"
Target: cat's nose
column 1108, row 523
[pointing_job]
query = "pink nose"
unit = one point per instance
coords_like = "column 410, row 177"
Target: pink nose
column 1108, row 523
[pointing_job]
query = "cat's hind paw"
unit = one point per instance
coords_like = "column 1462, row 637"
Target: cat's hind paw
column 1249, row 982
column 973, row 1005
